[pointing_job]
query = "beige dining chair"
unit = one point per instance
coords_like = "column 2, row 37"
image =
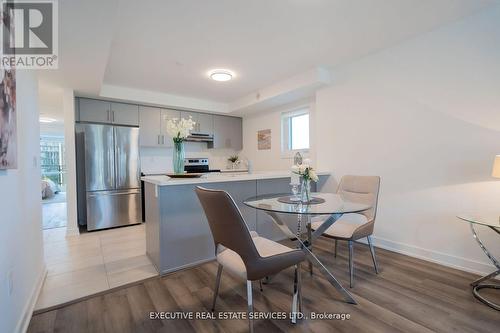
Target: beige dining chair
column 243, row 253
column 354, row 226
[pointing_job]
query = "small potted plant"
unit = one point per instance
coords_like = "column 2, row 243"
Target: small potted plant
column 235, row 160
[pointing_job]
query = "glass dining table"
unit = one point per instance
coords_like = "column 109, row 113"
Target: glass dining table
column 330, row 205
column 492, row 221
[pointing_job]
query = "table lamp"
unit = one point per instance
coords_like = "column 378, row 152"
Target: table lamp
column 496, row 167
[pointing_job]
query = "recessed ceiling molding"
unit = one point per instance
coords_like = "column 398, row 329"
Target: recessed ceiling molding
column 161, row 99
column 296, row 88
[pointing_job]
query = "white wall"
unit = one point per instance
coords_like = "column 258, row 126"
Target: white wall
column 68, row 105
column 271, row 119
column 425, row 116
column 21, row 246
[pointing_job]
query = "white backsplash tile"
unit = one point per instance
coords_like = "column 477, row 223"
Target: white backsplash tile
column 159, row 160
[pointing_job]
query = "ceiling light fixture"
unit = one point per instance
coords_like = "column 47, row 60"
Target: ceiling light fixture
column 47, row 120
column 221, row 75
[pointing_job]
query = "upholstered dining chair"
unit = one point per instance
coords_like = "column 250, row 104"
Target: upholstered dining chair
column 354, row 226
column 243, row 253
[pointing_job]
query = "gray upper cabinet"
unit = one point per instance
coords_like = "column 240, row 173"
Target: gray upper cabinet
column 228, row 132
column 205, row 123
column 125, row 114
column 149, row 126
column 96, row 111
column 166, row 115
column 153, row 126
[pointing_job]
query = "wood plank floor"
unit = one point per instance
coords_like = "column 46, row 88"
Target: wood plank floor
column 409, row 295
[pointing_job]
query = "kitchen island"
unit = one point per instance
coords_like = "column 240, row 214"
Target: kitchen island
column 177, row 232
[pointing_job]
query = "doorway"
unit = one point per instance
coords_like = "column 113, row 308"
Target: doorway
column 53, row 170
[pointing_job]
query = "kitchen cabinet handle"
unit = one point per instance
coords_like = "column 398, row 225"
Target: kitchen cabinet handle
column 158, row 139
column 163, row 139
column 113, row 116
column 107, row 115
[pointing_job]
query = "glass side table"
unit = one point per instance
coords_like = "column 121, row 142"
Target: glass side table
column 492, row 222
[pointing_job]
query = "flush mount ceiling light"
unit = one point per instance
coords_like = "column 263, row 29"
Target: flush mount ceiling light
column 47, row 120
column 221, row 74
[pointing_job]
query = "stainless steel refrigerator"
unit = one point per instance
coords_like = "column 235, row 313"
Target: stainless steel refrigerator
column 108, row 176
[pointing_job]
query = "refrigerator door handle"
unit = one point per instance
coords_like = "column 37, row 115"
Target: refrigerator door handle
column 114, row 193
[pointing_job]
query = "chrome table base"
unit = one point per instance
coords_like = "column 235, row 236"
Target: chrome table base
column 306, row 246
column 476, row 285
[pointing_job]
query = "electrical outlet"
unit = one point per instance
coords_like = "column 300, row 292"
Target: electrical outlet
column 10, row 283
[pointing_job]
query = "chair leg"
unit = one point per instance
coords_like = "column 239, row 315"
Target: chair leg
column 335, row 248
column 372, row 251
column 299, row 286
column 296, row 294
column 217, row 284
column 309, row 240
column 250, row 304
column 351, row 264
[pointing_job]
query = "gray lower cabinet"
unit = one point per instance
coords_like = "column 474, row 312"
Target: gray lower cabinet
column 97, row 111
column 228, row 132
column 177, row 231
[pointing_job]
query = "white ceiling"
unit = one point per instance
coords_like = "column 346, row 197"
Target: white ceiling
column 168, row 46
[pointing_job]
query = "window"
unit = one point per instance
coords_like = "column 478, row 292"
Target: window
column 295, row 131
column 52, row 160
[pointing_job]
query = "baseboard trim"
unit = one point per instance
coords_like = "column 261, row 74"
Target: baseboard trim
column 437, row 257
column 22, row 325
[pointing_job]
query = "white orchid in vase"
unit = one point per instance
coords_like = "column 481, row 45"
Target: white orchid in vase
column 179, row 130
column 307, row 174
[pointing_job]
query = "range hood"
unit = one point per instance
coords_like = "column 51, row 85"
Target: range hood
column 200, row 137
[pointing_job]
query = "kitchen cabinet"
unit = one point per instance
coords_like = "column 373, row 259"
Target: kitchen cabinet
column 228, row 132
column 125, row 114
column 204, row 122
column 149, row 126
column 153, row 126
column 97, row 111
column 166, row 115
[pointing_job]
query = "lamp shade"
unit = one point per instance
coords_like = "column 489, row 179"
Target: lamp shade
column 496, row 167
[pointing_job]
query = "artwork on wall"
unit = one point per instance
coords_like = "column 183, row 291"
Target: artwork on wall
column 8, row 126
column 264, row 139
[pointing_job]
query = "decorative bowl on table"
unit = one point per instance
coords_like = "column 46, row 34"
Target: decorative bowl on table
column 184, row 175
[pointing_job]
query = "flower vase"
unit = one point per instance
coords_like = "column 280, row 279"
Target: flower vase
column 305, row 190
column 178, row 158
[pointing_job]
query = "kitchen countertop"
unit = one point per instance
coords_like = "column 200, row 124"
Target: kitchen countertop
column 218, row 178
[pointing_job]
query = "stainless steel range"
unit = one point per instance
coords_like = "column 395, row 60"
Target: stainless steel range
column 198, row 165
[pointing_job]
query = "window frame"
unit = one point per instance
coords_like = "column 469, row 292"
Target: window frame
column 286, row 128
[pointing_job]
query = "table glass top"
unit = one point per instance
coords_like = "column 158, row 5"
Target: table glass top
column 334, row 203
column 490, row 220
